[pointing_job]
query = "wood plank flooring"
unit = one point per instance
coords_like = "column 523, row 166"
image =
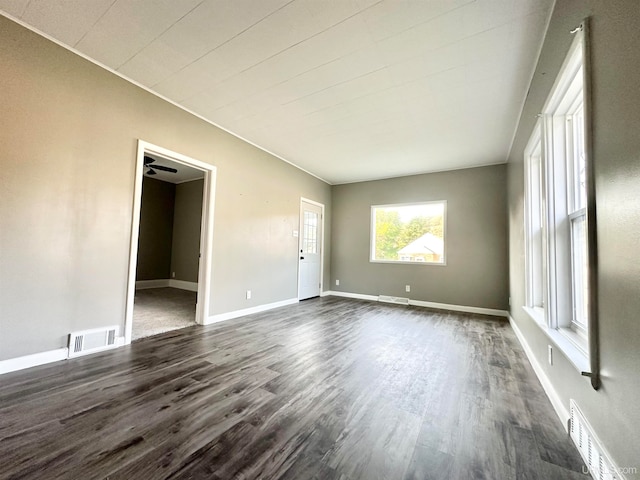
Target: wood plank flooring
column 331, row 388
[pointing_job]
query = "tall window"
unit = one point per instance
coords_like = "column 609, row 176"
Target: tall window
column 409, row 233
column 557, row 194
column 536, row 221
column 577, row 215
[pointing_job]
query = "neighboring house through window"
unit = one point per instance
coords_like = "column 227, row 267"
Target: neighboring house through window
column 408, row 233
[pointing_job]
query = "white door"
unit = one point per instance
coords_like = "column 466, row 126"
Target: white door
column 310, row 250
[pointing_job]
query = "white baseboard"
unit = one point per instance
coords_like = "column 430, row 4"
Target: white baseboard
column 144, row 284
column 558, row 406
column 183, row 285
column 28, row 361
column 359, row 296
column 166, row 282
column 221, row 317
column 460, row 308
column 420, row 303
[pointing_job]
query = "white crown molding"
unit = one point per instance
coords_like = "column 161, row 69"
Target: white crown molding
column 154, row 93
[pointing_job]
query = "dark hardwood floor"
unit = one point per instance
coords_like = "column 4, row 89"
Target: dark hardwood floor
column 330, row 388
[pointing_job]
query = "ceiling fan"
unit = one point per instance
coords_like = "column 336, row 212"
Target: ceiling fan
column 152, row 168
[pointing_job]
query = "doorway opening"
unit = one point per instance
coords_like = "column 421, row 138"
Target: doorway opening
column 171, row 243
column 311, row 249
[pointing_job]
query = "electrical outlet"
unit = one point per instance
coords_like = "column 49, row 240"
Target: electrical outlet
column 248, row 294
column 509, row 301
column 407, row 288
column 550, row 355
column 337, row 282
column 173, row 274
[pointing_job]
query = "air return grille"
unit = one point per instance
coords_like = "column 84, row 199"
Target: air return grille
column 391, row 299
column 597, row 461
column 91, row 341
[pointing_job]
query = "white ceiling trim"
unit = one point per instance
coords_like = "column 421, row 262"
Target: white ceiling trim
column 373, row 179
column 533, row 72
column 147, row 89
column 346, row 91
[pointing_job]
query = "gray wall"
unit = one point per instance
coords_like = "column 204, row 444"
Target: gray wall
column 66, row 227
column 170, row 221
column 156, row 229
column 613, row 411
column 476, row 238
column 186, row 231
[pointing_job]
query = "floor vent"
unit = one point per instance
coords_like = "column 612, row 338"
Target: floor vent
column 390, row 299
column 91, row 341
column 597, row 461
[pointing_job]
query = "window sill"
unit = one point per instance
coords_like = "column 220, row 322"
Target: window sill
column 398, row 262
column 565, row 339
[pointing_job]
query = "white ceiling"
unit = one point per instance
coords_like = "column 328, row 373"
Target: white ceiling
column 184, row 173
column 348, row 90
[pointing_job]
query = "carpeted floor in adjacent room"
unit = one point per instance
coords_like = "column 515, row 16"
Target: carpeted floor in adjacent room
column 159, row 310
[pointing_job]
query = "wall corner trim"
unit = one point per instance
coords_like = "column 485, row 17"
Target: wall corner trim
column 558, row 406
column 221, row 317
column 28, row 361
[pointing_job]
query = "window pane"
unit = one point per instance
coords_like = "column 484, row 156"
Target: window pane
column 536, row 219
column 409, row 233
column 310, row 232
column 579, row 271
column 543, row 254
column 579, row 172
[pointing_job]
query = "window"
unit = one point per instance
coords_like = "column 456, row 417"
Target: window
column 536, row 219
column 556, row 214
column 577, row 215
column 408, row 233
column 310, row 233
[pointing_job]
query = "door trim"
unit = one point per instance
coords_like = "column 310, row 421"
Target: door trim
column 300, row 229
column 206, row 231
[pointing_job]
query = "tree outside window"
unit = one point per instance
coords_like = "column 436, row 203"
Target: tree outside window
column 408, row 233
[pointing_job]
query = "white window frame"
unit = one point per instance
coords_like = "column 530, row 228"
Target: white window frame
column 372, row 238
column 576, row 212
column 553, row 295
column 536, row 295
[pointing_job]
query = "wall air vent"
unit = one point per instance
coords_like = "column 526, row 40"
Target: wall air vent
column 92, row 341
column 391, row 299
column 597, row 462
